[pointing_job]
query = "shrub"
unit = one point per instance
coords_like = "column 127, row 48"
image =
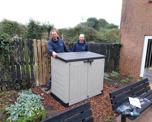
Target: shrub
column 27, row 108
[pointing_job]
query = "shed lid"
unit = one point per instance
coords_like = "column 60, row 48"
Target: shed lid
column 78, row 56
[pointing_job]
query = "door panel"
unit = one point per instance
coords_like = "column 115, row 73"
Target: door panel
column 78, row 81
column 95, row 77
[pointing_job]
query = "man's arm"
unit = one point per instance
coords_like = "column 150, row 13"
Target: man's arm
column 51, row 50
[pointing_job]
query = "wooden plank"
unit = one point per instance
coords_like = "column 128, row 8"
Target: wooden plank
column 119, row 91
column 144, row 95
column 40, row 62
column 27, row 75
column 48, row 63
column 132, row 91
column 31, row 60
column 72, row 112
column 82, row 116
column 32, row 74
column 36, row 61
column 26, row 65
column 30, row 50
column 18, row 72
column 45, row 62
column 12, row 72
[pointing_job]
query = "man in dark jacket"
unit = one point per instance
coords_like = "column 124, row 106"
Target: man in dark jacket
column 55, row 45
column 80, row 45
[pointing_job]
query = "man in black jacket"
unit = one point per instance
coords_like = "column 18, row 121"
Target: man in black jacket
column 55, row 45
column 81, row 44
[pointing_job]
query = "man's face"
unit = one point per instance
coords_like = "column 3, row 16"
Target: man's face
column 54, row 35
column 81, row 38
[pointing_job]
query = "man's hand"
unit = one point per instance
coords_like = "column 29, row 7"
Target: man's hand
column 54, row 54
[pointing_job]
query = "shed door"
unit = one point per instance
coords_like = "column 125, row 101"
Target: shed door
column 95, row 77
column 78, row 82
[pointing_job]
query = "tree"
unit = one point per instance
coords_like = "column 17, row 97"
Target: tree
column 35, row 30
column 6, row 47
column 102, row 23
column 110, row 35
column 92, row 22
column 12, row 28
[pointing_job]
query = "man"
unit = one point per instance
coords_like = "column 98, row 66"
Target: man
column 55, row 45
column 80, row 45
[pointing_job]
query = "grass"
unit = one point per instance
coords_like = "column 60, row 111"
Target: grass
column 116, row 79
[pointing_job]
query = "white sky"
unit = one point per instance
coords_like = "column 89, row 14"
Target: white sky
column 60, row 13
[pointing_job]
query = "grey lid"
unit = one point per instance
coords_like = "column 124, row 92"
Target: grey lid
column 78, row 56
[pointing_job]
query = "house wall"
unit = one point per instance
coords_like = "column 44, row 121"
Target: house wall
column 136, row 22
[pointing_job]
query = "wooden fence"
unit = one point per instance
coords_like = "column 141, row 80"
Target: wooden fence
column 42, row 62
column 30, row 63
column 18, row 72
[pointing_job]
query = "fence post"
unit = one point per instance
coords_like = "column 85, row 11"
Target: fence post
column 41, row 62
column 45, row 61
column 36, row 62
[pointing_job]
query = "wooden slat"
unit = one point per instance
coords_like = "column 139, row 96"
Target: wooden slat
column 79, row 113
column 18, row 72
column 119, row 91
column 140, row 91
column 133, row 90
column 27, row 75
column 40, row 62
column 32, row 73
column 79, row 117
column 36, row 61
column 44, row 62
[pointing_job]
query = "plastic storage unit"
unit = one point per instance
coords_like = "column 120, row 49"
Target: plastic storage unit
column 77, row 76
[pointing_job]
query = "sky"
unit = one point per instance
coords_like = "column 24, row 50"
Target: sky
column 60, row 13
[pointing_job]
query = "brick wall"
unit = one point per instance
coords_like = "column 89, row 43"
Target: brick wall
column 136, row 22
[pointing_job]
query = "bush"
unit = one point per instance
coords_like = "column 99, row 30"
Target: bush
column 36, row 31
column 94, row 30
column 110, row 35
column 73, row 33
column 6, row 47
column 28, row 108
column 12, row 28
